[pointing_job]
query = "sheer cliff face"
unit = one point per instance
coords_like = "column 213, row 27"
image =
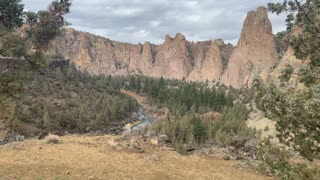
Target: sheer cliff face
column 176, row 57
column 255, row 53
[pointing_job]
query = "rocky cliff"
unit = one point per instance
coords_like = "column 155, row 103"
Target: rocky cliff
column 175, row 58
column 255, row 53
column 289, row 59
column 178, row 58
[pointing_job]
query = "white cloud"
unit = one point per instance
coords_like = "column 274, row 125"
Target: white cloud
column 136, row 21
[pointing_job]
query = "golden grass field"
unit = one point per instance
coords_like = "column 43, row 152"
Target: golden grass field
column 90, row 157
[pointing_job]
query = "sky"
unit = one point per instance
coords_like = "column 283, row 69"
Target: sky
column 137, row 21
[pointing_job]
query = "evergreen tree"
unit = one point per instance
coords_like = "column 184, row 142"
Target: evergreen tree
column 199, row 131
column 297, row 113
column 11, row 13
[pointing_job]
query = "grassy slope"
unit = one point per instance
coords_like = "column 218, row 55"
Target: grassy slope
column 79, row 157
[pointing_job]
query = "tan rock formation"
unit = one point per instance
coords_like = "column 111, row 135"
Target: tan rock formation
column 209, row 61
column 175, row 58
column 255, row 53
column 288, row 59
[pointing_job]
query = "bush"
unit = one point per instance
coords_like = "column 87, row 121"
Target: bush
column 275, row 162
column 231, row 126
column 229, row 129
column 179, row 147
column 187, row 130
column 52, row 139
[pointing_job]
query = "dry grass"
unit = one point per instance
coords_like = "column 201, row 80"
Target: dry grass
column 81, row 157
column 52, row 139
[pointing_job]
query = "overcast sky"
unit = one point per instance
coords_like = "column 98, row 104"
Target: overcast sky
column 137, row 21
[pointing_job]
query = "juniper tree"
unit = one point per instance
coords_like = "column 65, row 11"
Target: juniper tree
column 11, row 13
column 297, row 114
column 29, row 42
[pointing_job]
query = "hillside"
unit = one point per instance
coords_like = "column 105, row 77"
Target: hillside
column 62, row 100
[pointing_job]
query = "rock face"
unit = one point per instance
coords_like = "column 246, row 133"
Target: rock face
column 210, row 60
column 290, row 59
column 255, row 53
column 178, row 58
column 175, row 58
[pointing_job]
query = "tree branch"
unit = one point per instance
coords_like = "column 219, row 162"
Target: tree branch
column 306, row 15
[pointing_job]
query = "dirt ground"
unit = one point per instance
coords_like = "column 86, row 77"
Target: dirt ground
column 90, row 157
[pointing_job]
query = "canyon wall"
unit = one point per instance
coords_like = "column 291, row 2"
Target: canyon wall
column 255, row 54
column 175, row 58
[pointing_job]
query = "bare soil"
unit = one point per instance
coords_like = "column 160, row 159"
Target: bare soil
column 90, row 157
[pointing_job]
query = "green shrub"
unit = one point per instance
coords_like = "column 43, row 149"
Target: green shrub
column 179, row 147
column 232, row 127
column 186, row 130
column 275, row 162
column 229, row 129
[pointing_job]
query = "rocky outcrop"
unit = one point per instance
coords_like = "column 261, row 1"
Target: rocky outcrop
column 255, row 53
column 175, row 58
column 178, row 58
column 210, row 58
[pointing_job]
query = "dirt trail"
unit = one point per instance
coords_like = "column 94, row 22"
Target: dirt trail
column 89, row 157
column 142, row 100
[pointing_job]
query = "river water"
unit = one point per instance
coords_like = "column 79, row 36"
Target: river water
column 144, row 119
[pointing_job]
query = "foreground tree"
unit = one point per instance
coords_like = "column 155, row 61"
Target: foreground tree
column 25, row 35
column 31, row 40
column 297, row 113
column 11, row 15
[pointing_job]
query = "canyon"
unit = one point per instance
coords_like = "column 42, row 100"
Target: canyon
column 213, row 60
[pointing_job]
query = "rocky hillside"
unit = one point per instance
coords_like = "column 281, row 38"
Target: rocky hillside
column 178, row 58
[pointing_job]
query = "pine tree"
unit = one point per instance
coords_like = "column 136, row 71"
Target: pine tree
column 11, row 13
